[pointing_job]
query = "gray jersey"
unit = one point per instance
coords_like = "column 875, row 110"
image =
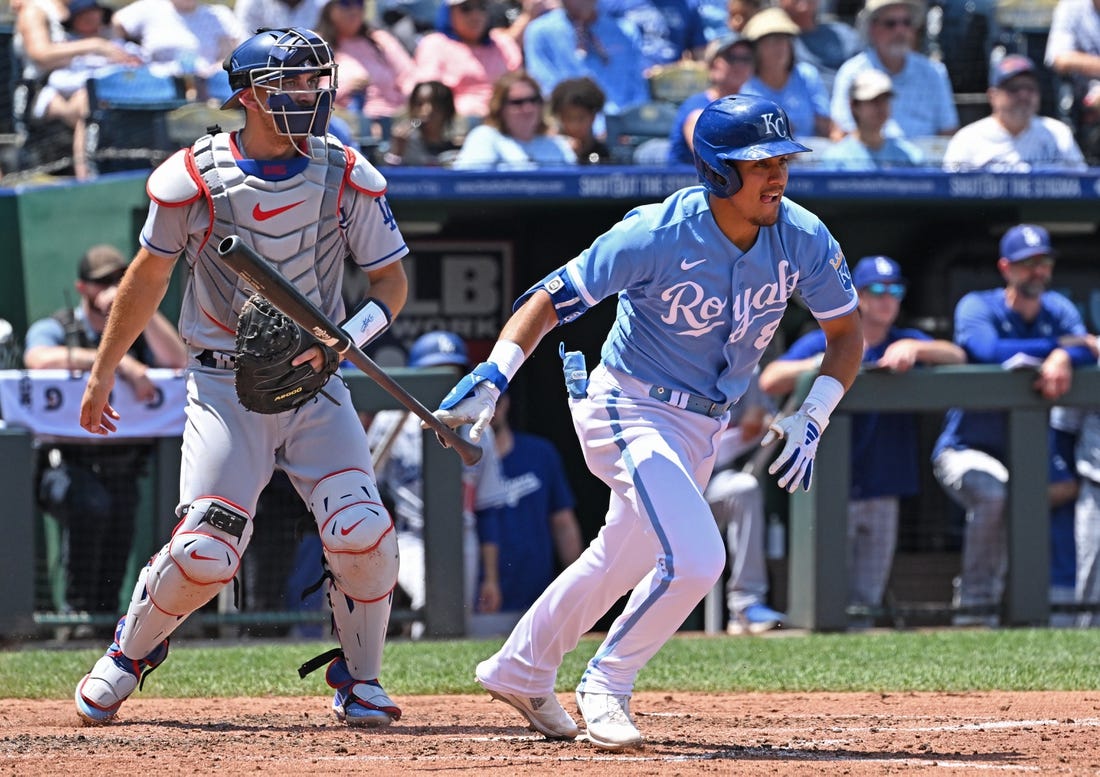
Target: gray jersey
column 305, row 221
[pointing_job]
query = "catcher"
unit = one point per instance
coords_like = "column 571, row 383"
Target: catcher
column 259, row 387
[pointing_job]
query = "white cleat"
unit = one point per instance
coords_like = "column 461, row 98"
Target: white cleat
column 610, row 725
column 544, row 713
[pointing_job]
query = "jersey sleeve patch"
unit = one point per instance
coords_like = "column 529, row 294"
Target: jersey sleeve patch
column 173, row 183
column 568, row 302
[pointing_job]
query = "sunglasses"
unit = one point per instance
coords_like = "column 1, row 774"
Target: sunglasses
column 894, row 22
column 472, row 7
column 108, row 280
column 1035, row 261
column 519, row 102
column 739, row 59
column 893, row 289
column 1021, row 88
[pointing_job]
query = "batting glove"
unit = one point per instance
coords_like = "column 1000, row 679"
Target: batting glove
column 473, row 400
column 795, row 463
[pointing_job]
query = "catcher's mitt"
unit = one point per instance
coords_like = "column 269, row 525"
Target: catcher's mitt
column 267, row 341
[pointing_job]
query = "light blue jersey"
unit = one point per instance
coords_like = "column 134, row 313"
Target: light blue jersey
column 695, row 313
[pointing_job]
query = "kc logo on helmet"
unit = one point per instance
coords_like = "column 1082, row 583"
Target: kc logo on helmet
column 775, row 124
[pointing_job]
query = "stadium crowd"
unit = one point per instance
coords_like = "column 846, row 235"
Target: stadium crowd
column 1032, row 106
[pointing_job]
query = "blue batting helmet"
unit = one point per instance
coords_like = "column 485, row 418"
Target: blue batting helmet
column 271, row 55
column 438, row 348
column 738, row 127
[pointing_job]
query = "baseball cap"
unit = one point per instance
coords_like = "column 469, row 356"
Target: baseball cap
column 876, row 269
column 871, row 7
column 770, row 21
column 871, row 83
column 100, row 262
column 80, row 6
column 720, row 46
column 1024, row 241
column 1009, row 67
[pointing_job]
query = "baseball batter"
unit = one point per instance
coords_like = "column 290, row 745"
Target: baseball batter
column 303, row 201
column 702, row 281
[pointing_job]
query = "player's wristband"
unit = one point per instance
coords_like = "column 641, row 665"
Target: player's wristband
column 368, row 321
column 508, row 358
column 821, row 401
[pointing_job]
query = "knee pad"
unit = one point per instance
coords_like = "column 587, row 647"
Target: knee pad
column 357, row 533
column 202, row 556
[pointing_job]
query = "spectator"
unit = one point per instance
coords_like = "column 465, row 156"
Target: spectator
column 735, row 15
column 729, row 67
column 1023, row 319
column 396, row 439
column 825, row 44
column 277, row 14
column 1073, row 51
column 778, row 77
column 92, row 489
column 736, row 498
column 376, row 71
column 426, row 135
column 65, row 95
column 182, row 37
column 535, row 533
column 514, row 135
column 924, row 104
column 578, row 39
column 575, row 104
column 523, row 13
column 467, row 55
column 868, row 147
column 1013, row 138
column 669, row 30
column 885, row 446
column 41, row 41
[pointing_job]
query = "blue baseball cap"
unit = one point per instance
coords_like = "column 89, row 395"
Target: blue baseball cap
column 876, row 269
column 1024, row 241
column 1009, row 67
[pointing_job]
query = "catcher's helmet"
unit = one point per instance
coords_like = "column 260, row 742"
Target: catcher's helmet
column 438, row 348
column 272, row 55
column 738, row 127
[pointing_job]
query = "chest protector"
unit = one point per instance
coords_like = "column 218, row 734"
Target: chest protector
column 293, row 223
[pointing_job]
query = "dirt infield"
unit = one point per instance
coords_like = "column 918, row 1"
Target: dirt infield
column 752, row 734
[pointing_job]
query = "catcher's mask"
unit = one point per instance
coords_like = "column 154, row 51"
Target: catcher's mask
column 738, row 127
column 277, row 60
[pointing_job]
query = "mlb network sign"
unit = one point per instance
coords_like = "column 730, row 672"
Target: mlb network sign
column 463, row 287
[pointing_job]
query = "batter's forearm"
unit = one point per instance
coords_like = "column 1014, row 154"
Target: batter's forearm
column 532, row 322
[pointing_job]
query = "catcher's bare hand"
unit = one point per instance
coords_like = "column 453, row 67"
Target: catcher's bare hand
column 96, row 414
column 315, row 355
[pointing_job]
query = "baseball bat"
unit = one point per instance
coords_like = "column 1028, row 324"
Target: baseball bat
column 266, row 280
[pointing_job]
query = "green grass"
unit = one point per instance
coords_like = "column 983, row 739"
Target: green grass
column 1017, row 660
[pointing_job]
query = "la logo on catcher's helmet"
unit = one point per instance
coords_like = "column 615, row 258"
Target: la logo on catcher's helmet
column 272, row 55
column 738, row 127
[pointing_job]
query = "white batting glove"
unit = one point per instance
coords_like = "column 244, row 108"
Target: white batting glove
column 477, row 409
column 473, row 400
column 802, row 431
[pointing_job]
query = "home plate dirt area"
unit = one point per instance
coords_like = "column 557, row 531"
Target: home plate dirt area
column 686, row 733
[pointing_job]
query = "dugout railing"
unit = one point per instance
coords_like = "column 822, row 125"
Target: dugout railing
column 817, row 574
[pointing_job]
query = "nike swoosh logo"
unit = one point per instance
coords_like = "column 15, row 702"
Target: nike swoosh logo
column 346, row 531
column 260, row 214
column 686, row 265
column 195, row 555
